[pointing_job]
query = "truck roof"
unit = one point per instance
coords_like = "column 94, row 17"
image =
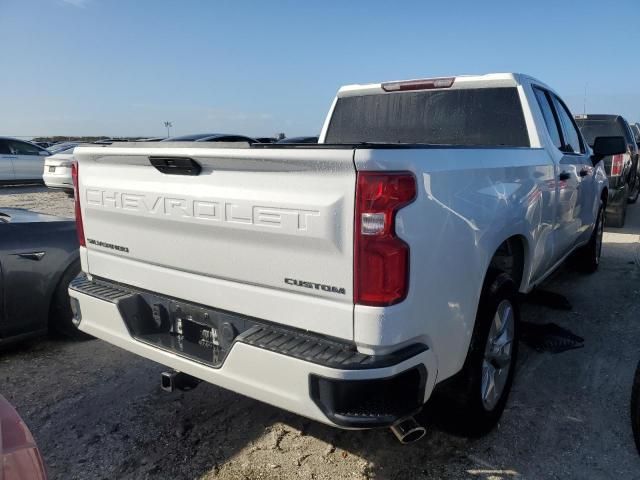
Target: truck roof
column 459, row 81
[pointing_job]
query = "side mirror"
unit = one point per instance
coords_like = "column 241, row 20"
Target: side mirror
column 606, row 146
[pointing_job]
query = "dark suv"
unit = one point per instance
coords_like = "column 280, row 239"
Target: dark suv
column 622, row 170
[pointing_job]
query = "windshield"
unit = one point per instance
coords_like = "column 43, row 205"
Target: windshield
column 466, row 117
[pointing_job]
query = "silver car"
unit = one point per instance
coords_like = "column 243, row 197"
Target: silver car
column 57, row 170
column 20, row 161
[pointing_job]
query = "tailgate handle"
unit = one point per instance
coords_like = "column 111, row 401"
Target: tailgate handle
column 176, row 165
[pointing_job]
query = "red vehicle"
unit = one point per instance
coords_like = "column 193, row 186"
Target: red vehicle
column 20, row 458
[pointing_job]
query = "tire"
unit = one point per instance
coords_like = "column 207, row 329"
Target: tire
column 459, row 405
column 617, row 219
column 60, row 315
column 635, row 408
column 633, row 196
column 588, row 257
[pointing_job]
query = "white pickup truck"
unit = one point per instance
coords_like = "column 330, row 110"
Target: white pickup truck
column 352, row 280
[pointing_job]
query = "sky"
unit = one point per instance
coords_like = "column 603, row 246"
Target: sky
column 117, row 67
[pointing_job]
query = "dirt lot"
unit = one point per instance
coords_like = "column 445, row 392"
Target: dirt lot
column 98, row 412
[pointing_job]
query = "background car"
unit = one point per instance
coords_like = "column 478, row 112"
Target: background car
column 622, row 170
column 150, row 139
column 39, row 256
column 57, row 170
column 21, row 162
column 266, row 139
column 299, row 140
column 211, row 137
column 20, row 458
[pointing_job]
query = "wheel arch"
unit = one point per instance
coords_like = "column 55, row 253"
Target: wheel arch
column 51, row 295
column 511, row 257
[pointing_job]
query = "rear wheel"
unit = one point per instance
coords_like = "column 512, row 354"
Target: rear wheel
column 472, row 402
column 60, row 314
column 588, row 257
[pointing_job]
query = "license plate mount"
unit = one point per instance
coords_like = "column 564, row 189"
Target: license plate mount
column 201, row 333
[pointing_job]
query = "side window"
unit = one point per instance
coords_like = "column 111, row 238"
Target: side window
column 4, row 148
column 23, row 148
column 572, row 139
column 549, row 117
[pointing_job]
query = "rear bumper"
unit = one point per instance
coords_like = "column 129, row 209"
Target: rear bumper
column 363, row 392
column 60, row 179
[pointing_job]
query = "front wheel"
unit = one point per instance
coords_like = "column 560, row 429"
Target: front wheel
column 471, row 402
column 61, row 316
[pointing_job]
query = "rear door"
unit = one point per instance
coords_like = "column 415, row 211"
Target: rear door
column 6, row 162
column 567, row 225
column 263, row 232
column 25, row 303
column 28, row 160
column 577, row 166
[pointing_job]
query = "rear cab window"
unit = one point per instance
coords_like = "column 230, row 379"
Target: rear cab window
column 592, row 128
column 481, row 117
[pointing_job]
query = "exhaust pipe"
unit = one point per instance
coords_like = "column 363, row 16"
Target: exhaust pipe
column 170, row 381
column 408, row 431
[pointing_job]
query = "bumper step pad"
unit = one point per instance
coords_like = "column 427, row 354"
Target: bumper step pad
column 292, row 342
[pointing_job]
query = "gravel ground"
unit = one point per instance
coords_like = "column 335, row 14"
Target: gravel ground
column 98, row 412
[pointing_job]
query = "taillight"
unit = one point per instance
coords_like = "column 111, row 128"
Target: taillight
column 381, row 259
column 616, row 165
column 76, row 196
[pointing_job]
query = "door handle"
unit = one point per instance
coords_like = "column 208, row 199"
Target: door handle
column 36, row 256
column 564, row 176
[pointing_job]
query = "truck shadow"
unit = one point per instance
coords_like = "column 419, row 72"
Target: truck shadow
column 22, row 189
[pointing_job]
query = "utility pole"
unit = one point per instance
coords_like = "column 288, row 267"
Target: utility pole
column 168, row 126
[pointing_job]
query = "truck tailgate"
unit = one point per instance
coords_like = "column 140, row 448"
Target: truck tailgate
column 262, row 232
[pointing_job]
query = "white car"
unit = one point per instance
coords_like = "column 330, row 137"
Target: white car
column 20, row 161
column 57, row 170
column 351, row 280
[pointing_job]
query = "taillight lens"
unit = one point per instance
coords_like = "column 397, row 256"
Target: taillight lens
column 381, row 259
column 76, row 196
column 616, row 165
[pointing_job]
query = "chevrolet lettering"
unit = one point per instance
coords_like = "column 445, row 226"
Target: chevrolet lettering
column 215, row 210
